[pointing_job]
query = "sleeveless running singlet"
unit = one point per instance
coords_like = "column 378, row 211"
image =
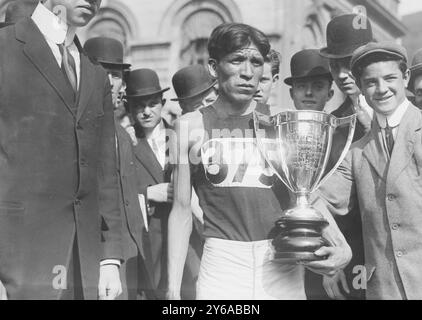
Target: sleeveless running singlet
column 233, row 182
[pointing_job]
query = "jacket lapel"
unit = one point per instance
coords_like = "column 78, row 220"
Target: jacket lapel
column 39, row 53
column 374, row 152
column 146, row 156
column 404, row 146
column 87, row 75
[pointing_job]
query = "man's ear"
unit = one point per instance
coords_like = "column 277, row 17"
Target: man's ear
column 407, row 77
column 276, row 77
column 291, row 93
column 212, row 67
column 163, row 102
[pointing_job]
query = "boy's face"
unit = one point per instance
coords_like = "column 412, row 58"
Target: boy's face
column 238, row 74
column 311, row 93
column 146, row 111
column 384, row 86
column 265, row 84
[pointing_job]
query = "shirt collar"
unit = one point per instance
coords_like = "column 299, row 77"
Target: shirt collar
column 395, row 118
column 52, row 27
column 157, row 133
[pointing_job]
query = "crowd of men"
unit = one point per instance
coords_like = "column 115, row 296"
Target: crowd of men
column 105, row 193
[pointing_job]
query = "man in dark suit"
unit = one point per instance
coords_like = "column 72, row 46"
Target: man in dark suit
column 108, row 53
column 153, row 173
column 135, row 272
column 59, row 214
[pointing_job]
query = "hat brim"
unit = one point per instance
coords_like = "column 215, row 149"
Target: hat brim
column 115, row 65
column 196, row 94
column 326, row 54
column 289, row 80
column 146, row 94
column 416, row 67
column 356, row 62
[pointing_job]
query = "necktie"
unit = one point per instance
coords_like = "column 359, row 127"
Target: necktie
column 68, row 66
column 389, row 138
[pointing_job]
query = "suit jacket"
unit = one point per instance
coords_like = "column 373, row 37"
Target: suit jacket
column 57, row 168
column 135, row 236
column 390, row 200
column 149, row 172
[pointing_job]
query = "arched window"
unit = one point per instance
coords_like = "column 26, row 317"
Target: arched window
column 313, row 33
column 108, row 28
column 3, row 6
column 196, row 30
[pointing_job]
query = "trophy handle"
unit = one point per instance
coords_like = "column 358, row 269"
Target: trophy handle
column 340, row 122
column 269, row 121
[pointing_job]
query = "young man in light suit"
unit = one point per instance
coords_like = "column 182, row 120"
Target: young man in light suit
column 381, row 175
column 59, row 214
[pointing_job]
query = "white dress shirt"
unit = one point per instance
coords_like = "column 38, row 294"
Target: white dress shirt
column 393, row 119
column 55, row 32
column 157, row 142
column 393, row 122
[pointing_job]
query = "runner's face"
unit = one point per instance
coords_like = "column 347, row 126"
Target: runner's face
column 239, row 73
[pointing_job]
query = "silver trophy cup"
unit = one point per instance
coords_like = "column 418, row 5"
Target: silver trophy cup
column 303, row 148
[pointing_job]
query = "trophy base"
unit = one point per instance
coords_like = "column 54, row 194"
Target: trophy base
column 298, row 239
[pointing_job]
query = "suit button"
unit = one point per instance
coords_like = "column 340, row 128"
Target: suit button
column 395, row 226
column 84, row 163
column 78, row 202
column 391, row 197
column 399, row 254
column 79, row 127
column 127, row 203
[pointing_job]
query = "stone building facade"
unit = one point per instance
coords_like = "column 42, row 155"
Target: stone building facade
column 166, row 35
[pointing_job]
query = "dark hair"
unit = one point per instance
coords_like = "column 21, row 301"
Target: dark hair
column 229, row 37
column 274, row 58
column 357, row 70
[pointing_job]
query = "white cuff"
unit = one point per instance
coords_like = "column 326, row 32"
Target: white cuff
column 110, row 261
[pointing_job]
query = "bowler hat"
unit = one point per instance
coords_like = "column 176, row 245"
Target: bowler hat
column 308, row 63
column 390, row 49
column 415, row 69
column 106, row 51
column 345, row 34
column 142, row 83
column 191, row 81
column 17, row 10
